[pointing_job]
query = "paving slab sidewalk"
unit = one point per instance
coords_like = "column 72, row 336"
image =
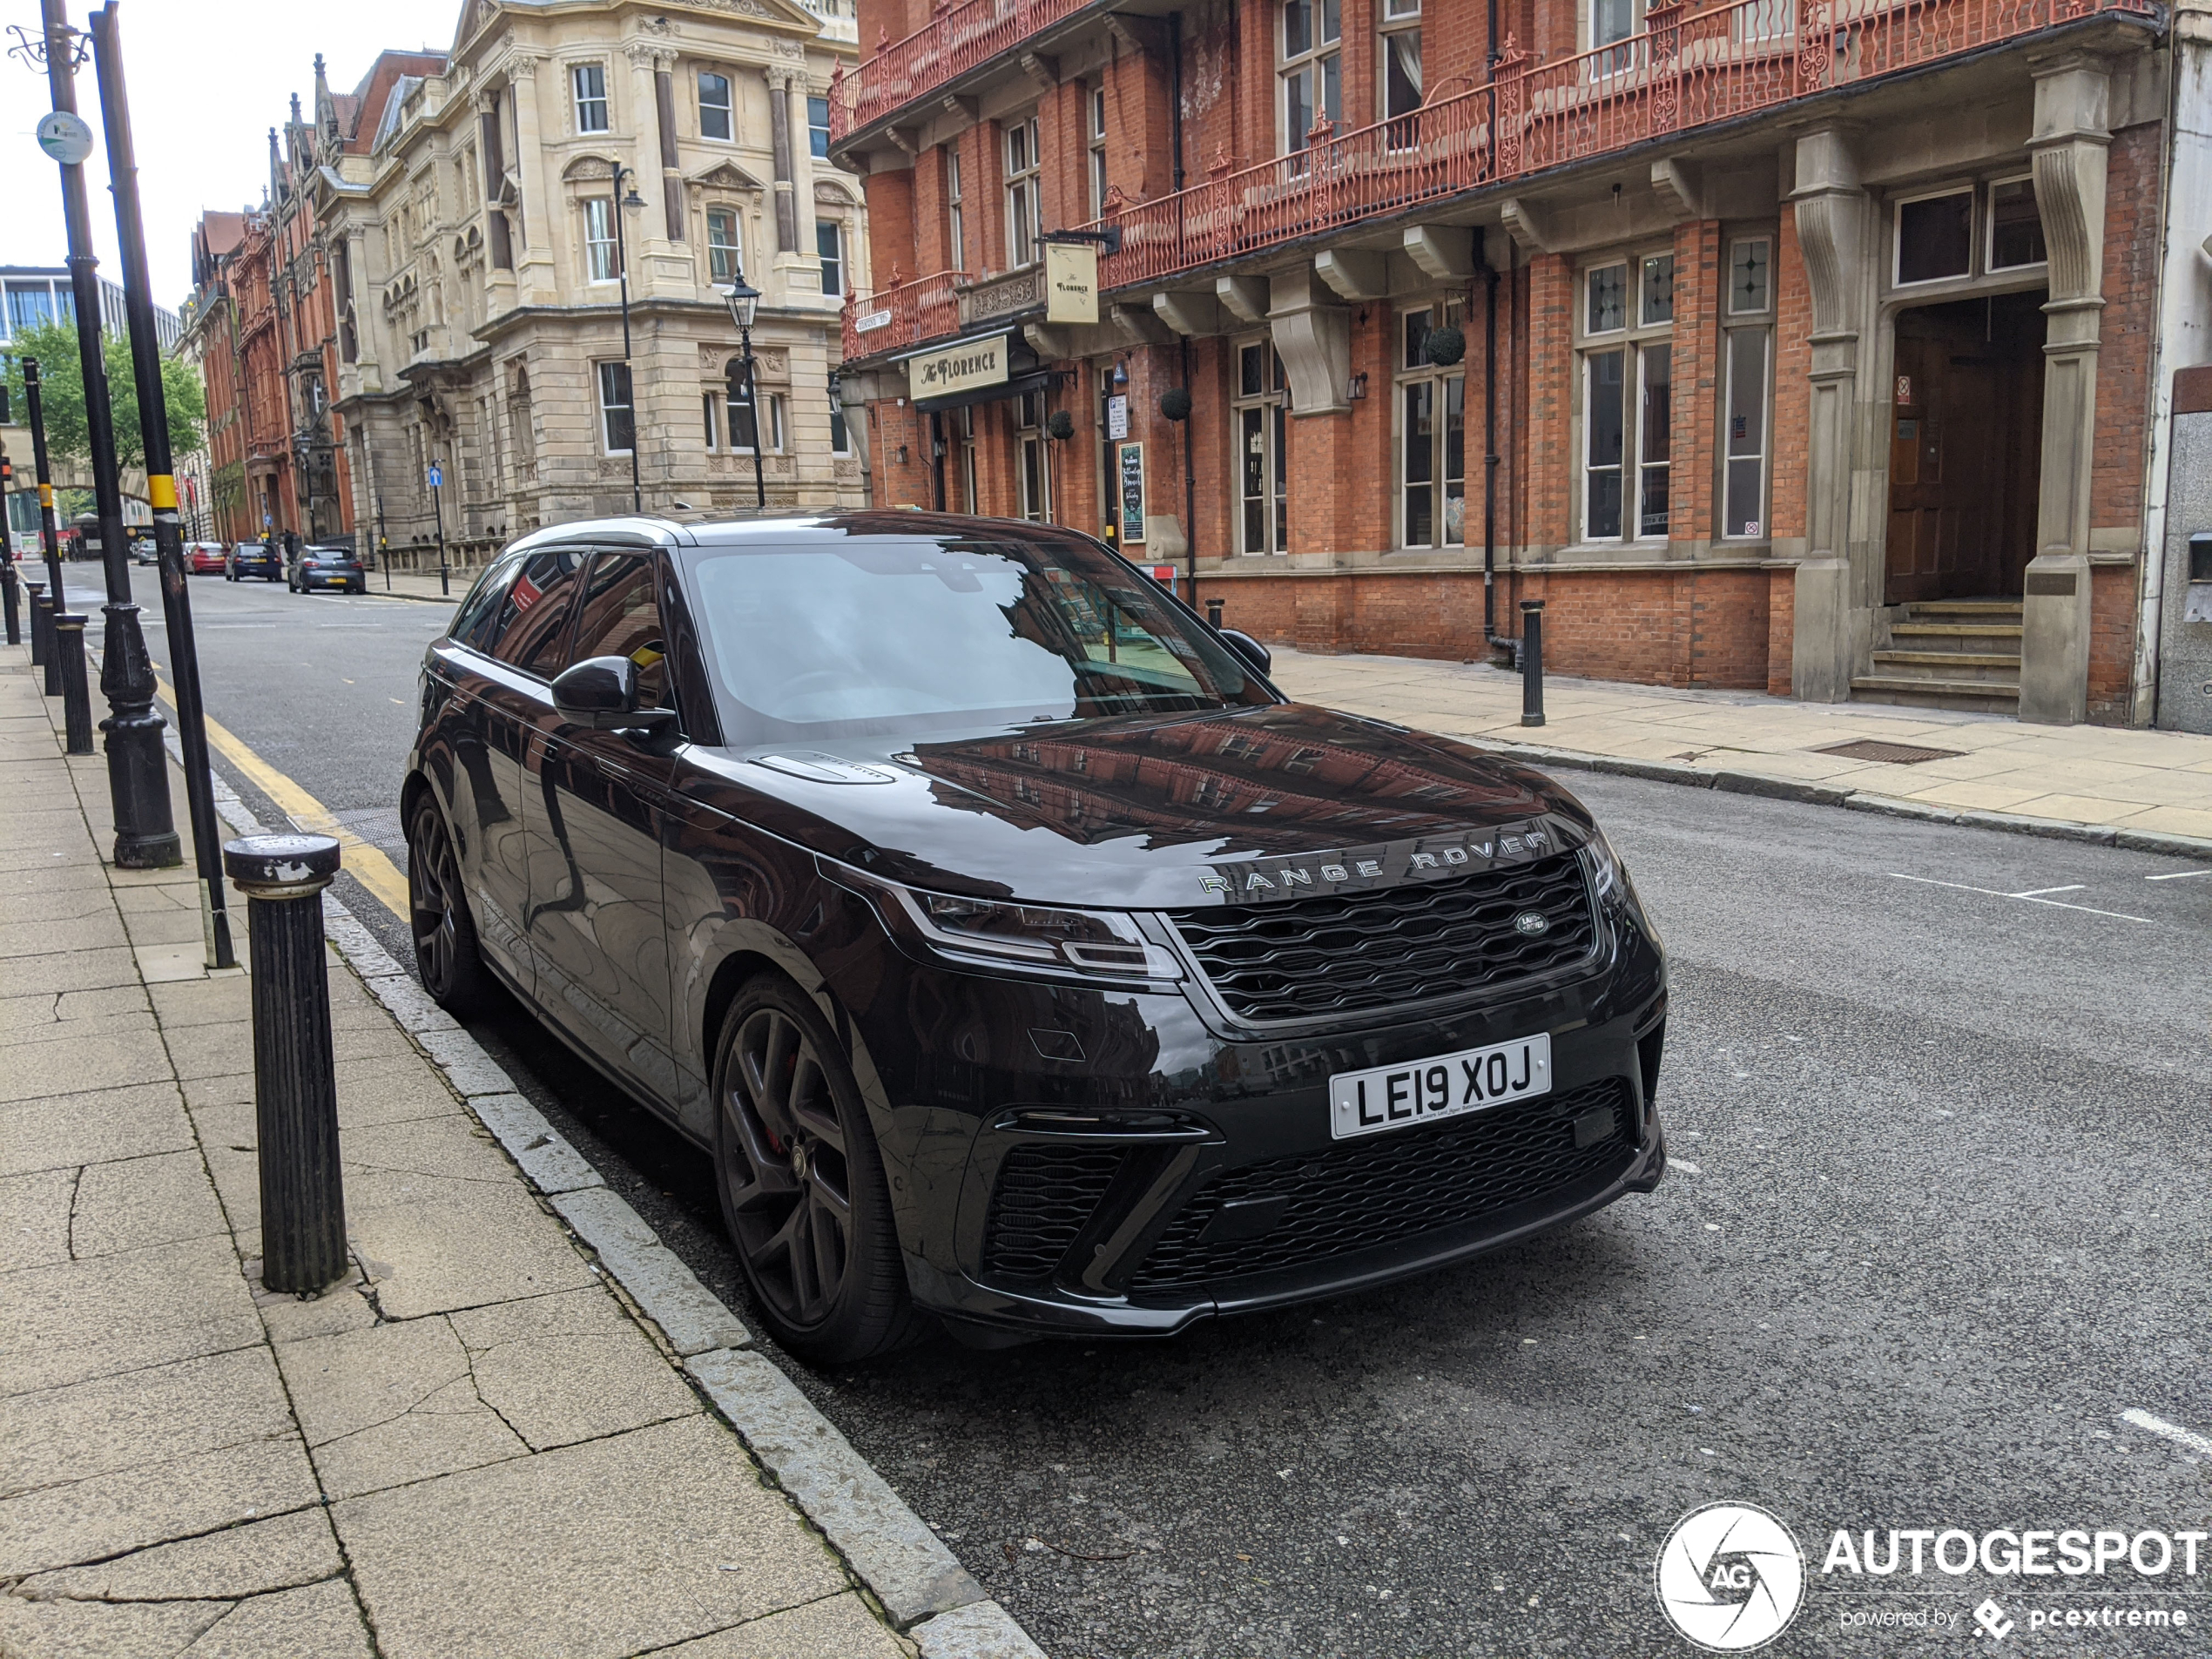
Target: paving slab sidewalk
column 2152, row 789
column 477, row 1445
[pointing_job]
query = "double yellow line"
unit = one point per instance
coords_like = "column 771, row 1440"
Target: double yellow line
column 366, row 864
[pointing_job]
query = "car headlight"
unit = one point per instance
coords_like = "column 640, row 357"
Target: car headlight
column 1097, row 944
column 1609, row 876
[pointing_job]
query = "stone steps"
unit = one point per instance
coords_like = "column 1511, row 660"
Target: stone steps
column 1949, row 653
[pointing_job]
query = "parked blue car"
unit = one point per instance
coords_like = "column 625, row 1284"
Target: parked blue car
column 254, row 558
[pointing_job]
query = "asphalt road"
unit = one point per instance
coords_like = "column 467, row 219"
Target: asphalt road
column 1937, row 1220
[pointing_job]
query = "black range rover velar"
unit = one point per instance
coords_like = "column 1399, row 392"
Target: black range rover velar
column 1018, row 954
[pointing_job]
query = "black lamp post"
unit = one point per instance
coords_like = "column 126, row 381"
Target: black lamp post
column 621, row 205
column 137, row 765
column 744, row 305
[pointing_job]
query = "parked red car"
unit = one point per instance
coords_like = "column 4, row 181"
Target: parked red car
column 204, row 558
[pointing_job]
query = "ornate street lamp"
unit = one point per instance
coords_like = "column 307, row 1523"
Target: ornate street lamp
column 621, row 205
column 744, row 305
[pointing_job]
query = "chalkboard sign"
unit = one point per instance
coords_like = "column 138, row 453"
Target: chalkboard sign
column 1130, row 457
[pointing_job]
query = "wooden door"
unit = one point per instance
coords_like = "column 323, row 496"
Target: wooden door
column 1947, row 423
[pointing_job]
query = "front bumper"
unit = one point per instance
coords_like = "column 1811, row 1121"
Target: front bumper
column 1177, row 1170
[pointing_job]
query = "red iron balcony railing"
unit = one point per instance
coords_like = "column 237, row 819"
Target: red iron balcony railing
column 904, row 314
column 957, row 39
column 1685, row 72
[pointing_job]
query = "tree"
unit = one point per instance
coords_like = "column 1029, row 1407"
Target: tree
column 61, row 393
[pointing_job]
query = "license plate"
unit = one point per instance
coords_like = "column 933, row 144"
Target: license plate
column 1449, row 1085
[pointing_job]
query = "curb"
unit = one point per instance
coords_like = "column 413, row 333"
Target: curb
column 422, row 598
column 1753, row 783
column 929, row 1596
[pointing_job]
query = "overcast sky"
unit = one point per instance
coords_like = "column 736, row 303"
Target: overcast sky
column 207, row 80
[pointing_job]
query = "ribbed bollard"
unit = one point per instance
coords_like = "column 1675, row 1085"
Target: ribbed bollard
column 68, row 664
column 38, row 640
column 295, row 1086
column 1532, row 662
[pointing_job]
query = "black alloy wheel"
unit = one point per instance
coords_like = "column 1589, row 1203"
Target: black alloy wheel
column 801, row 1183
column 438, row 919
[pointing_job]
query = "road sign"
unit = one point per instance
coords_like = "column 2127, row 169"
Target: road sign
column 66, row 136
column 437, row 475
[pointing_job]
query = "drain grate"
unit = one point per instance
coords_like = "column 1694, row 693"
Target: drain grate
column 1898, row 754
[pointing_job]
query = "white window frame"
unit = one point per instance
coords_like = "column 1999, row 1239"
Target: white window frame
column 603, row 385
column 1989, row 226
column 727, row 109
column 1409, row 377
column 734, row 247
column 1633, row 338
column 1033, row 449
column 1742, row 322
column 769, row 405
column 583, row 103
column 1095, row 122
column 601, row 246
column 1319, row 52
column 1024, row 192
column 834, row 260
column 1398, row 17
column 818, row 133
column 1269, row 404
column 955, row 211
column 1897, row 235
column 713, row 422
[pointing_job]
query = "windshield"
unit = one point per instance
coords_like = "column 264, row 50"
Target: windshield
column 886, row 636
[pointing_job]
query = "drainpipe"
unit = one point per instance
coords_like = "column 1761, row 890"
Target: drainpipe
column 1189, row 482
column 1490, row 389
column 2185, row 185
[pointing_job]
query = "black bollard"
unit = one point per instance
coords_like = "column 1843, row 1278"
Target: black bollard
column 10, row 593
column 67, row 664
column 296, row 1087
column 1532, row 662
column 37, row 591
column 1213, row 615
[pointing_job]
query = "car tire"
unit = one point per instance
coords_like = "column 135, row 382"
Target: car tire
column 801, row 1183
column 446, row 957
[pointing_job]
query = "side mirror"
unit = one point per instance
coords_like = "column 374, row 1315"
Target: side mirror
column 1248, row 648
column 602, row 693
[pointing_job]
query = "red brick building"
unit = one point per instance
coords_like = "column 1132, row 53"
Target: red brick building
column 1791, row 345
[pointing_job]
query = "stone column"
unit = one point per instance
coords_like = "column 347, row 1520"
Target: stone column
column 802, row 161
column 533, row 257
column 1838, row 582
column 671, row 178
column 779, row 140
column 2068, row 148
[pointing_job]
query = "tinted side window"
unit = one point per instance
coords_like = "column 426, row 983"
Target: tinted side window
column 472, row 623
column 621, row 618
column 534, row 612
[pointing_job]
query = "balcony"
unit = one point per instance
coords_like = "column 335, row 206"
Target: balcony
column 903, row 315
column 1688, row 71
column 961, row 38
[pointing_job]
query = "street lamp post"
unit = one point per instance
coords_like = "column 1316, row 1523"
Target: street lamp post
column 744, row 305
column 437, row 507
column 146, row 832
column 623, row 205
column 161, row 484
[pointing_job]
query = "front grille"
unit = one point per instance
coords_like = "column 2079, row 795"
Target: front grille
column 1348, row 953
column 1395, row 1186
column 1044, row 1194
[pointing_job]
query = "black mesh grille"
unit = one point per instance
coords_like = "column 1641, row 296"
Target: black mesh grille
column 1394, row 1186
column 1346, row 952
column 1044, row 1194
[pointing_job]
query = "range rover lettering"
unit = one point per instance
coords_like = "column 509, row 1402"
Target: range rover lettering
column 1017, row 952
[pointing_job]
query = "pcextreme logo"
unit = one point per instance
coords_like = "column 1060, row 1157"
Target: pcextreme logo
column 1730, row 1577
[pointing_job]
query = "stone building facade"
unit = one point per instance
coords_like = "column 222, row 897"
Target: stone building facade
column 1800, row 345
column 479, row 212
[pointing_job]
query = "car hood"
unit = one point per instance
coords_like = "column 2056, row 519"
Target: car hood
column 1246, row 806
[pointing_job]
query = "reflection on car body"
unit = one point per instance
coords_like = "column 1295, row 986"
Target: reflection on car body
column 998, row 930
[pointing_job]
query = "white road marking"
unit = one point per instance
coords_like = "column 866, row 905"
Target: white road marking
column 2172, row 1432
column 2037, row 892
column 2025, row 898
column 2177, row 875
column 1686, row 1166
